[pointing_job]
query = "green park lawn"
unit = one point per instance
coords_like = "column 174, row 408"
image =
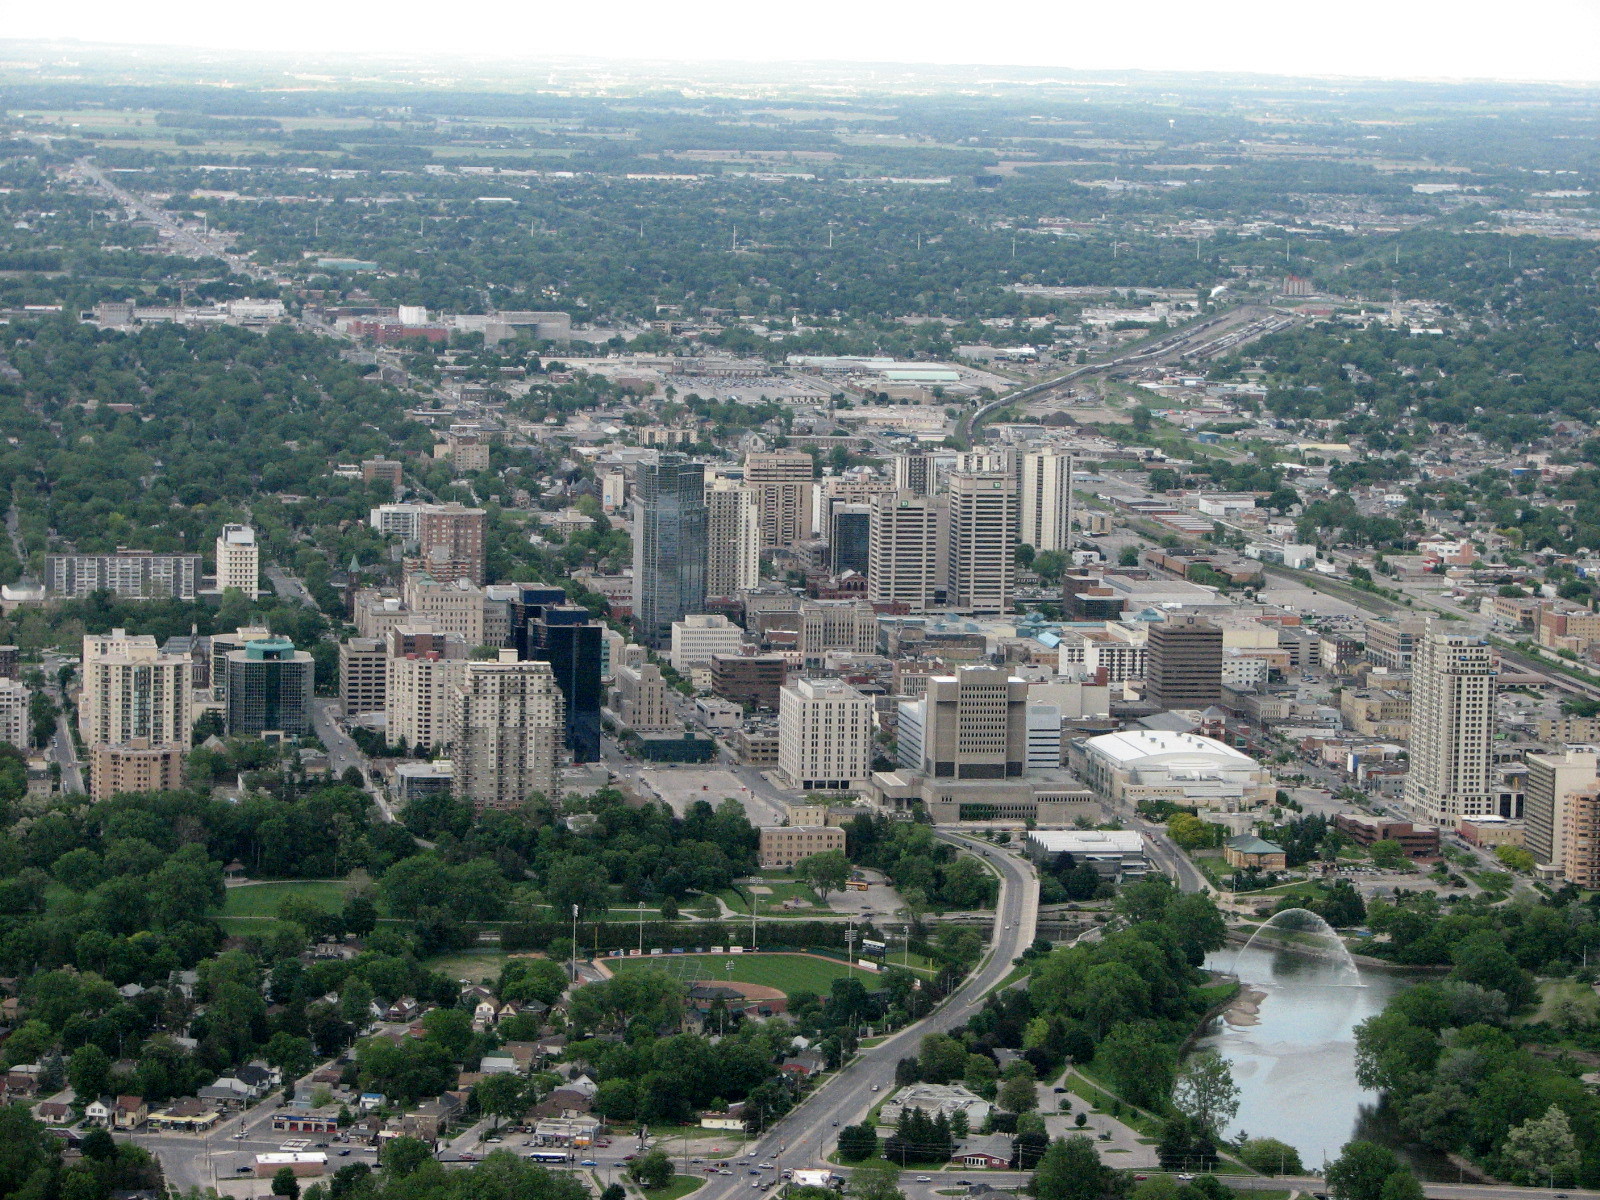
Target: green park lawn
column 789, row 973
column 262, row 899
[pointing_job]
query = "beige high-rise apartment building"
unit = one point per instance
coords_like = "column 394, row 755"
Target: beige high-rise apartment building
column 824, row 735
column 915, row 472
column 451, row 606
column 1047, row 500
column 733, row 539
column 239, row 560
column 422, row 664
column 450, row 539
column 1452, row 727
column 132, row 694
column 135, row 766
column 507, row 722
column 907, row 552
column 640, row 699
column 781, row 481
column 1580, row 848
column 1552, row 777
column 983, row 541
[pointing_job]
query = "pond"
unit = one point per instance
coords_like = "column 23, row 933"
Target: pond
column 1293, row 1057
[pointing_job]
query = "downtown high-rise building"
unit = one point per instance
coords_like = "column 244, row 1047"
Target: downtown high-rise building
column 451, row 543
column 567, row 638
column 669, row 546
column 1452, row 728
column 733, row 539
column 1047, row 500
column 506, row 723
column 983, row 541
column 906, row 550
column 781, row 481
column 134, row 700
column 269, row 689
column 915, row 471
column 1551, row 779
column 1183, row 663
column 238, row 560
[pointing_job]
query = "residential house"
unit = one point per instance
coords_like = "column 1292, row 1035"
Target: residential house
column 732, row 1120
column 404, row 1009
column 98, row 1111
column 228, row 1091
column 805, row 1064
column 130, row 1112
column 53, row 1112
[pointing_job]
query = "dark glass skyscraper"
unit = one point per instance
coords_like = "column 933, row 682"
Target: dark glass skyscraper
column 564, row 636
column 669, row 546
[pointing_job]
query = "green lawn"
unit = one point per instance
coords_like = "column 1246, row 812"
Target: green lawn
column 677, row 1187
column 781, row 886
column 262, row 899
column 789, row 973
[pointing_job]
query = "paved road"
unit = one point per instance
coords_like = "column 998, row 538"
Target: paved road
column 64, row 751
column 802, row 1138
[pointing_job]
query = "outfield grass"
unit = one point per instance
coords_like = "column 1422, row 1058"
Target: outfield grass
column 262, row 899
column 789, row 973
column 475, row 965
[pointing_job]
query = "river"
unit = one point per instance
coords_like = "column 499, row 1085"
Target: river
column 1295, row 1067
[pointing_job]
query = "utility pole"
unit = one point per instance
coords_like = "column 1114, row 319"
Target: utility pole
column 574, row 964
column 641, row 928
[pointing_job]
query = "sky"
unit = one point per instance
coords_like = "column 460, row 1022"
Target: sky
column 1552, row 40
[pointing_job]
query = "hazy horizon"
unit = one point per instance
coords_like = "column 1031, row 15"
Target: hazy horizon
column 1551, row 41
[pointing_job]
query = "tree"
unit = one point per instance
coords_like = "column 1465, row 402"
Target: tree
column 404, row 1155
column 1018, row 1095
column 875, row 1181
column 1139, row 1062
column 1388, row 853
column 857, row 1142
column 653, row 1170
column 1402, row 1185
column 290, row 1054
column 824, row 873
column 1269, row 1156
column 1205, row 1091
column 285, row 1184
column 1542, row 1148
column 89, row 1072
column 500, row 1096
column 1071, row 1170
column 1360, row 1171
column 1517, row 858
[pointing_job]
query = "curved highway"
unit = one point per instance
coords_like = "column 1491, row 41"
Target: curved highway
column 805, row 1136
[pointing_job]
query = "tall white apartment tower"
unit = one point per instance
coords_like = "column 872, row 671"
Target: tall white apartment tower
column 1047, row 500
column 983, row 541
column 906, row 550
column 733, row 538
column 824, row 735
column 238, row 560
column 1452, row 727
column 507, row 723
